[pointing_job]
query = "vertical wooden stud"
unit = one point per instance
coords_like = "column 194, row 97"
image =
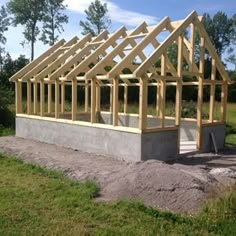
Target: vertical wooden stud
column 143, row 103
column 125, row 98
column 74, row 99
column 49, row 98
column 29, row 97
column 200, row 94
column 18, row 96
column 212, row 91
column 42, row 99
column 86, row 95
column 62, row 97
column 163, row 91
column 93, row 100
column 192, row 46
column 35, row 97
column 224, row 95
column 111, row 99
column 115, row 101
column 98, row 98
column 57, row 97
column 158, row 100
column 179, row 82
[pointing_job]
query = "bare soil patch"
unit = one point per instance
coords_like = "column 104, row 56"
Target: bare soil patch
column 180, row 186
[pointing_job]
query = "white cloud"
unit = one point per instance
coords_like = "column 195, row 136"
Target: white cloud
column 117, row 14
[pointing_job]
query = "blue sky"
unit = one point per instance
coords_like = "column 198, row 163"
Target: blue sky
column 122, row 12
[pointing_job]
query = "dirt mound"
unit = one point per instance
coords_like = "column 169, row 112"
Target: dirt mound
column 175, row 187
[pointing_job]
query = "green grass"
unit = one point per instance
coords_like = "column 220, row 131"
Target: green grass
column 6, row 131
column 35, row 201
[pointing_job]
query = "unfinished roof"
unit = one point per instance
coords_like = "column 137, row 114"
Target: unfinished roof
column 124, row 54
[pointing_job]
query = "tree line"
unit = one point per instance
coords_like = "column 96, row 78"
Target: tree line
column 44, row 20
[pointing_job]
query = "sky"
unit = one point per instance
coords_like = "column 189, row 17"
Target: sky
column 122, row 12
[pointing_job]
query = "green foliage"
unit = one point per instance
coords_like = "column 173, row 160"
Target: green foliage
column 52, row 21
column 4, row 23
column 27, row 13
column 97, row 18
column 220, row 29
column 36, row 201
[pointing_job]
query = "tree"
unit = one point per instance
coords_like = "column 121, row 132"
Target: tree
column 220, row 29
column 4, row 23
column 27, row 13
column 97, row 18
column 232, row 57
column 53, row 20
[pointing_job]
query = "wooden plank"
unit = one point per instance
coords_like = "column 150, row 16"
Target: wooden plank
column 212, row 51
column 77, row 57
column 57, row 99
column 115, row 101
column 60, row 60
column 62, row 97
column 35, row 62
column 74, row 99
column 49, row 98
column 200, row 95
column 224, row 95
column 192, row 46
column 111, row 98
column 212, row 91
column 35, row 97
column 158, row 100
column 143, row 103
column 93, row 100
column 179, row 82
column 125, row 98
column 42, row 98
column 94, row 56
column 98, row 98
column 29, row 98
column 86, row 96
column 165, row 44
column 18, row 96
column 138, row 48
column 163, row 91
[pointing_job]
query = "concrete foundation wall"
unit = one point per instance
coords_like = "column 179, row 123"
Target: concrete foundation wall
column 124, row 145
column 219, row 132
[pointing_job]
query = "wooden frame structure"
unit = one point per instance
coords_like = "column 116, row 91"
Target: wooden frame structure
column 103, row 61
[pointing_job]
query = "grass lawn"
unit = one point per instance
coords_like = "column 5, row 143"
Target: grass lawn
column 35, row 201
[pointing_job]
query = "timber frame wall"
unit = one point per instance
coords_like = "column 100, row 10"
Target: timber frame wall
column 95, row 62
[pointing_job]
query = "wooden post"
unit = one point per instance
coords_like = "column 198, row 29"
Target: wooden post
column 62, row 97
column 18, row 96
column 42, row 98
column 212, row 92
column 192, row 46
column 57, row 97
column 98, row 98
column 86, row 95
column 179, row 82
column 224, row 95
column 93, row 100
column 74, row 99
column 111, row 99
column 29, row 97
column 125, row 98
column 200, row 94
column 158, row 100
column 49, row 98
column 163, row 91
column 115, row 101
column 143, row 103
column 35, row 97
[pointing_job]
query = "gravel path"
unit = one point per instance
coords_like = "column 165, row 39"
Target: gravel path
column 178, row 187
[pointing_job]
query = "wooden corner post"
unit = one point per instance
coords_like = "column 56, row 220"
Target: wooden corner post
column 29, row 97
column 115, row 101
column 143, row 103
column 93, row 100
column 200, row 94
column 42, row 98
column 18, row 96
column 74, row 99
column 57, row 97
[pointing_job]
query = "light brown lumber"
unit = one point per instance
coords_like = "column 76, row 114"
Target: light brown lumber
column 115, row 101
column 29, row 98
column 57, row 98
column 35, row 92
column 42, row 98
column 74, row 99
column 93, row 100
column 125, row 98
column 49, row 98
column 212, row 91
column 143, row 103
